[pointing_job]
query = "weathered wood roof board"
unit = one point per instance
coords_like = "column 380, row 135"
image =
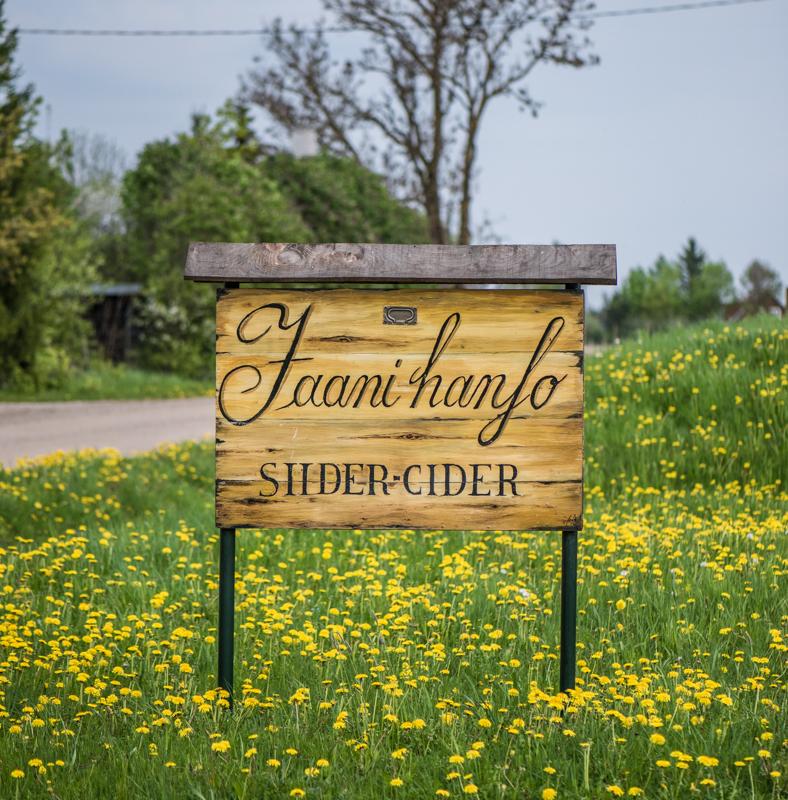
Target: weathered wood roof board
column 402, row 263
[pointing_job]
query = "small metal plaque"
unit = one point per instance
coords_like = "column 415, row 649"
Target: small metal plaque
column 399, row 315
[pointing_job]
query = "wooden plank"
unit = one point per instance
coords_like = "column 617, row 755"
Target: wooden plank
column 401, row 263
column 469, row 418
column 541, row 506
column 549, row 451
column 372, row 336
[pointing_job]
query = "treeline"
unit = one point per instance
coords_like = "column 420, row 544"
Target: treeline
column 73, row 216
column 688, row 289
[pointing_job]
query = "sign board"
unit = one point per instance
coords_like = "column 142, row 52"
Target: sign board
column 448, row 409
column 356, row 408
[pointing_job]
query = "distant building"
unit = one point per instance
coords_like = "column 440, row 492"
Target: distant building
column 111, row 311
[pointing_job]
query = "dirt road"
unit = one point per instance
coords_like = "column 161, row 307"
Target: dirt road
column 131, row 426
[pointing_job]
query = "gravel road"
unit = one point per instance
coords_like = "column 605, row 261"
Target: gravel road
column 131, row 426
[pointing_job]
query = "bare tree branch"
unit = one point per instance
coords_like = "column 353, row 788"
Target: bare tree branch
column 411, row 103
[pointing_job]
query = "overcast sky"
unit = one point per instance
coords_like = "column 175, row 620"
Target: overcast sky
column 682, row 130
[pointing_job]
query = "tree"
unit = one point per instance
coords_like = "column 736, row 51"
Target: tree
column 410, row 105
column 761, row 285
column 710, row 292
column 216, row 183
column 41, row 251
column 691, row 261
column 341, row 201
column 95, row 169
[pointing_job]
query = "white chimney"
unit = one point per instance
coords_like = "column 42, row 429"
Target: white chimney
column 304, row 142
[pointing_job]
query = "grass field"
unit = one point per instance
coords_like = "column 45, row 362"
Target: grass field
column 106, row 381
column 420, row 665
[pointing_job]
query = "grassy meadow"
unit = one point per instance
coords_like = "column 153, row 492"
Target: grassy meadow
column 404, row 664
column 103, row 380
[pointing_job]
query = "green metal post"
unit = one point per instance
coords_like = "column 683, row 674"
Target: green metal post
column 566, row 679
column 568, row 610
column 227, row 599
column 226, row 609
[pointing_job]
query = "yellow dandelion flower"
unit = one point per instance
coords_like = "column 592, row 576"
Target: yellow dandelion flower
column 222, row 746
column 396, row 782
column 17, row 773
column 708, row 761
column 470, row 788
column 549, row 794
column 656, row 738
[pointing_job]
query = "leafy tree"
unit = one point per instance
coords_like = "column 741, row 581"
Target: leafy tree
column 216, row 183
column 198, row 187
column 41, row 250
column 691, row 288
column 707, row 286
column 411, row 104
column 341, row 201
column 711, row 290
column 761, row 285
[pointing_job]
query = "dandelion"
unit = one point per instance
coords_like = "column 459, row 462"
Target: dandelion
column 656, row 738
column 708, row 761
column 396, row 782
column 17, row 773
column 222, row 746
column 549, row 794
column 470, row 788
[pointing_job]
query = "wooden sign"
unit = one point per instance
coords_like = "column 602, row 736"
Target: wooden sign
column 449, row 409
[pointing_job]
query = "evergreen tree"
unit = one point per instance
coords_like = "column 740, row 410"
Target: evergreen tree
column 691, row 261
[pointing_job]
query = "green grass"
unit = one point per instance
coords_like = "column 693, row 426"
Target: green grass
column 106, row 381
column 418, row 650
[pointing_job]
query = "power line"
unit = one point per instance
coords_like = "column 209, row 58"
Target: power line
column 623, row 12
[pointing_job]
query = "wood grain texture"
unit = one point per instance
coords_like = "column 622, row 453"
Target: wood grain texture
column 470, row 418
column 401, row 263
